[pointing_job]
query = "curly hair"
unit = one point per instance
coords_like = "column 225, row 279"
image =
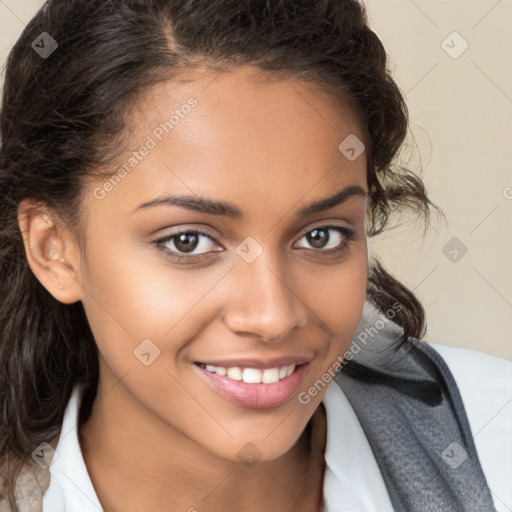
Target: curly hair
column 62, row 120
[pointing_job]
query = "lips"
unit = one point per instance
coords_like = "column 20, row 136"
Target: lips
column 248, row 386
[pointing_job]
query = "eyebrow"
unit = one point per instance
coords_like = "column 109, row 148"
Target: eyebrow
column 209, row 206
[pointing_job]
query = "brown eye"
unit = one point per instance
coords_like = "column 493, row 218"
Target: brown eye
column 183, row 243
column 318, row 238
column 186, row 242
column 321, row 239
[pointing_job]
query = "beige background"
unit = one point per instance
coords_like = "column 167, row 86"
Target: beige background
column 460, row 106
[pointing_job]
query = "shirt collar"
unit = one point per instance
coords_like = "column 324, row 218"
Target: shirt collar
column 70, row 489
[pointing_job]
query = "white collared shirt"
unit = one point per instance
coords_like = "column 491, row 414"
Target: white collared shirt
column 352, row 480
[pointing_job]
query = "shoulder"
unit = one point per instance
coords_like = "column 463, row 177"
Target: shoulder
column 485, row 385
column 484, row 381
column 463, row 356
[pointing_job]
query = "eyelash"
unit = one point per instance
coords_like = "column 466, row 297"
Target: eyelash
column 348, row 236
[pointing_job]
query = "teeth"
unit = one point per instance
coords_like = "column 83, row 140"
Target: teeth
column 252, row 375
column 219, row 370
column 234, row 373
column 269, row 376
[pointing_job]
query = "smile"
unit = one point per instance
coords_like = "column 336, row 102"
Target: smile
column 253, row 387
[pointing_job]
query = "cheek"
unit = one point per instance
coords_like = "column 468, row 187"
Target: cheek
column 133, row 296
column 335, row 296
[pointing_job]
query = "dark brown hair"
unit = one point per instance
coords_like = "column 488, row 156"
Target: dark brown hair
column 63, row 118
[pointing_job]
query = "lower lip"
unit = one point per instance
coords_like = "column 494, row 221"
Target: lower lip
column 257, row 396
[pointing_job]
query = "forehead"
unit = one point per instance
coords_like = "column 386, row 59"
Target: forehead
column 246, row 98
column 237, row 135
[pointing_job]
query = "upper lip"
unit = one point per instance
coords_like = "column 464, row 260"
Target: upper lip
column 251, row 362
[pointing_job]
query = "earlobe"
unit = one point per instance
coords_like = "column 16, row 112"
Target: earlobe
column 51, row 252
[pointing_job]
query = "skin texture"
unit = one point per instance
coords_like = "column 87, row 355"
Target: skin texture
column 159, row 434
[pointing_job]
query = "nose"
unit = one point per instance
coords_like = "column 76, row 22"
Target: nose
column 263, row 302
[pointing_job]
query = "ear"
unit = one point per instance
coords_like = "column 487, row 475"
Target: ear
column 51, row 250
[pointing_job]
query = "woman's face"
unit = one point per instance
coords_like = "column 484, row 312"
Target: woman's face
column 273, row 280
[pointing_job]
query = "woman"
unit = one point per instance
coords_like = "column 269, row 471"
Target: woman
column 188, row 191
